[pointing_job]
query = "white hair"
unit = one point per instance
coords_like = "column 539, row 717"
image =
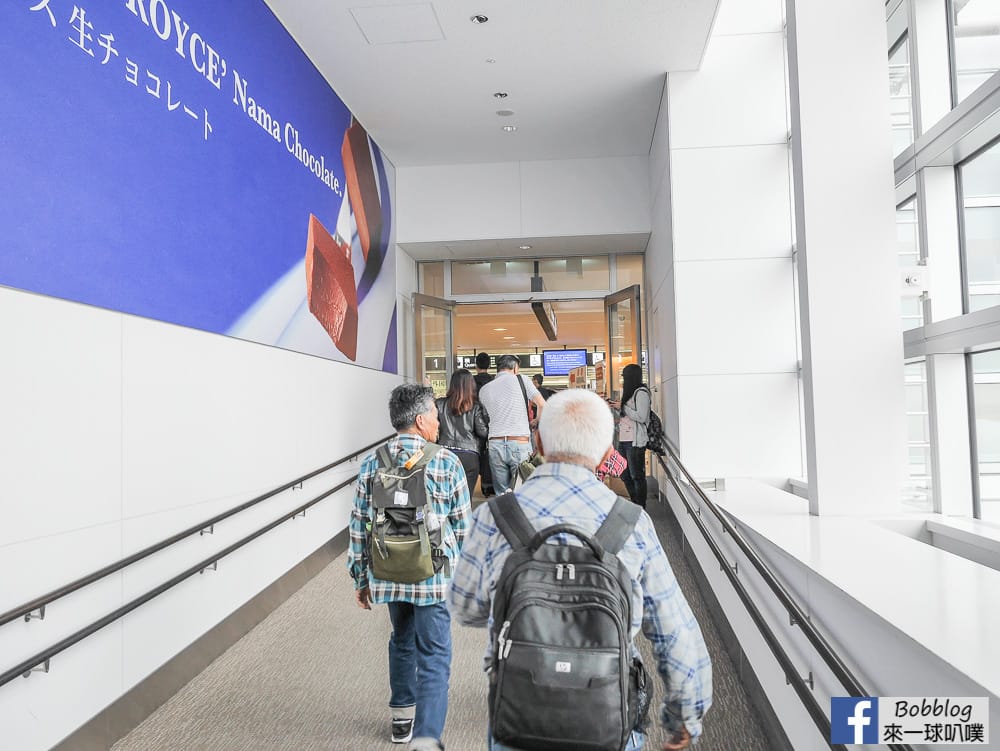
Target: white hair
column 576, row 424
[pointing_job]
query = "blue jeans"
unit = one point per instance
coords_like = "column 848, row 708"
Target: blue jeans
column 504, row 458
column 420, row 663
column 634, row 743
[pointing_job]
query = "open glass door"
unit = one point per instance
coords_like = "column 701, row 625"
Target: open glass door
column 624, row 336
column 434, row 348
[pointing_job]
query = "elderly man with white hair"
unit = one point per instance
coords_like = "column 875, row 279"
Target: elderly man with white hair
column 575, row 435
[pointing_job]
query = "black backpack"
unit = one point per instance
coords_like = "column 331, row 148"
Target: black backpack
column 405, row 537
column 656, row 440
column 562, row 677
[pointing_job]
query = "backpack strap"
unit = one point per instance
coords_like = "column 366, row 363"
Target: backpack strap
column 429, row 449
column 383, row 456
column 524, row 393
column 618, row 525
column 509, row 517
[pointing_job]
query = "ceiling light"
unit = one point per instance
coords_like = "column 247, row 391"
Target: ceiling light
column 491, row 60
column 478, row 18
column 524, row 247
column 505, row 113
column 500, row 329
column 508, row 337
column 509, row 128
column 500, row 95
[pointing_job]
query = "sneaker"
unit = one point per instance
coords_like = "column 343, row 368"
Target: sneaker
column 402, row 730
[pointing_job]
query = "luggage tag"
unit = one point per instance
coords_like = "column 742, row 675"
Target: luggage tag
column 401, row 498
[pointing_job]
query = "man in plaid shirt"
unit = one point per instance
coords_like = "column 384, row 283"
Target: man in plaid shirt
column 420, row 645
column 575, row 434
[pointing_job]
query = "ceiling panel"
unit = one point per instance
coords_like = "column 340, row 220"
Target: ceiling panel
column 583, row 79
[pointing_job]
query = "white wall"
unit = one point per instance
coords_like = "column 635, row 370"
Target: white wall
column 523, row 199
column 119, row 431
column 719, row 260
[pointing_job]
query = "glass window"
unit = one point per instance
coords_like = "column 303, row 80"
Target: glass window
column 986, row 385
column 491, row 277
column 900, row 96
column 980, row 179
column 908, row 251
column 575, row 274
column 917, row 493
column 628, row 271
column 976, row 28
column 559, row 274
column 432, row 279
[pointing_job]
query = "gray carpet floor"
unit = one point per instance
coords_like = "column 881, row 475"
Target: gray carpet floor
column 313, row 675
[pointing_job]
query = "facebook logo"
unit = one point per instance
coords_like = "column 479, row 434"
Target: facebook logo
column 854, row 720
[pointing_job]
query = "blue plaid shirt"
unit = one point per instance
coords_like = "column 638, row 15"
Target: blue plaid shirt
column 448, row 495
column 569, row 493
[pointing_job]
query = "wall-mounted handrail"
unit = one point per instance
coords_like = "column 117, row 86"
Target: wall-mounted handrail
column 83, row 581
column 798, row 616
column 42, row 658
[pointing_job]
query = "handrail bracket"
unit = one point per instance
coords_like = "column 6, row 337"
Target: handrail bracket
column 42, row 667
column 807, row 680
column 209, row 530
column 214, row 567
column 39, row 614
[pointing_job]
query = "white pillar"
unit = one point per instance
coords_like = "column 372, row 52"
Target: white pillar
column 848, row 273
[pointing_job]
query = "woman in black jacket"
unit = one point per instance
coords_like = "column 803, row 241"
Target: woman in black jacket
column 464, row 423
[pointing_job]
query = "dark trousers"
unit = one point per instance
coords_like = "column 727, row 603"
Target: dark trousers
column 634, row 475
column 470, row 463
column 486, row 475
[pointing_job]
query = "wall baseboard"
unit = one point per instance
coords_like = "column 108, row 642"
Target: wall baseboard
column 771, row 725
column 129, row 710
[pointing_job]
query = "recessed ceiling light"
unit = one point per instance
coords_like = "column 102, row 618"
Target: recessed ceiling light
column 500, row 95
column 500, row 329
column 508, row 337
column 505, row 113
column 509, row 128
column 479, row 18
column 524, row 247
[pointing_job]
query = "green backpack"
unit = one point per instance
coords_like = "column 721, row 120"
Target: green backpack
column 405, row 538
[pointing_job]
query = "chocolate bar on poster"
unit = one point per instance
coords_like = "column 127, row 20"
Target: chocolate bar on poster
column 332, row 296
column 362, row 187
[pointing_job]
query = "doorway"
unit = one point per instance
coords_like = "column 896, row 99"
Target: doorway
column 571, row 343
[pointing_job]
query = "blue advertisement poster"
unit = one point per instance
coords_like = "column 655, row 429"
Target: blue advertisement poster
column 184, row 161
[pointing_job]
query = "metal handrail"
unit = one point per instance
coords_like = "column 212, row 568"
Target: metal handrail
column 39, row 602
column 42, row 658
column 797, row 615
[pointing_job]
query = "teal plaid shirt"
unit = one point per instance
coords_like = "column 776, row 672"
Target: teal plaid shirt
column 448, row 495
column 556, row 493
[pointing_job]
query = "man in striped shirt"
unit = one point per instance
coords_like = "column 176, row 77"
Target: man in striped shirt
column 509, row 443
column 420, row 645
column 575, row 436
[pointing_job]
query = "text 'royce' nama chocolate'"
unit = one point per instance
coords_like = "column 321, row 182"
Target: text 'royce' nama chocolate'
column 362, row 188
column 333, row 298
